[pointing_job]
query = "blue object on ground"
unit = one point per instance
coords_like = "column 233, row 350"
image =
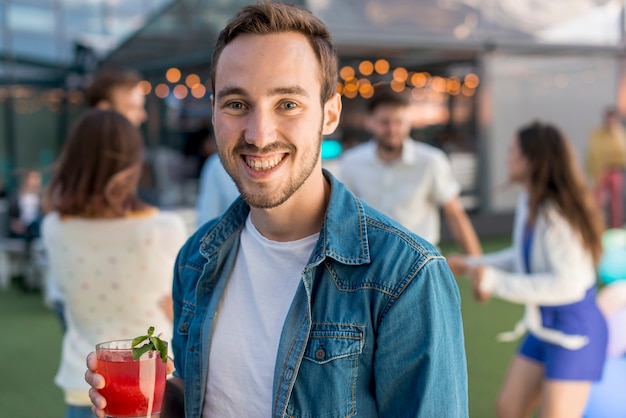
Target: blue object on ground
column 607, row 398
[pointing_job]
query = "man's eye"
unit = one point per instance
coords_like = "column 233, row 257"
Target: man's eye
column 290, row 105
column 236, row 105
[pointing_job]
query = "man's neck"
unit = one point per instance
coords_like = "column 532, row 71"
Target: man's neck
column 300, row 216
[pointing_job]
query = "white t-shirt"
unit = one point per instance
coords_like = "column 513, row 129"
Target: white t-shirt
column 249, row 324
column 410, row 190
column 111, row 274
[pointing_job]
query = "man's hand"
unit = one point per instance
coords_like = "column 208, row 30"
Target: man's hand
column 96, row 381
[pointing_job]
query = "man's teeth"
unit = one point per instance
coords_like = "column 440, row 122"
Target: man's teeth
column 262, row 164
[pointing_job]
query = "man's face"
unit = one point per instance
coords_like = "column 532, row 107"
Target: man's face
column 268, row 117
column 131, row 103
column 390, row 125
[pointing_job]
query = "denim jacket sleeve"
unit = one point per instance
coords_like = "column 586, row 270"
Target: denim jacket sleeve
column 424, row 376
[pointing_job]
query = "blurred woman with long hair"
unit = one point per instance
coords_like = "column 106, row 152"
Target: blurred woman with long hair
column 551, row 269
column 112, row 255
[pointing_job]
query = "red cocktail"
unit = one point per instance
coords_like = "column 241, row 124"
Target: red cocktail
column 133, row 388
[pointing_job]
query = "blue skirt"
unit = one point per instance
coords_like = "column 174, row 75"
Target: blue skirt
column 579, row 318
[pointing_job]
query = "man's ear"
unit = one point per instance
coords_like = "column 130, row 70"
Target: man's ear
column 332, row 113
column 122, row 185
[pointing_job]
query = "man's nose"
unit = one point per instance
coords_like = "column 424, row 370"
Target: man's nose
column 260, row 128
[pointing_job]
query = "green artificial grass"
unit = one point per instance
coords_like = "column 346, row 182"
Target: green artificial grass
column 487, row 359
column 31, row 348
column 29, row 354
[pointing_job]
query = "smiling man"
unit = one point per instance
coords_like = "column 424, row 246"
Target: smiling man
column 301, row 300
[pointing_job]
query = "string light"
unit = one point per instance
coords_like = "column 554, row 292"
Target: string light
column 192, row 80
column 180, row 91
column 381, row 66
column 162, row 90
column 173, row 75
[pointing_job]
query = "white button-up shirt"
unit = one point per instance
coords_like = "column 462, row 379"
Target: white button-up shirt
column 410, row 189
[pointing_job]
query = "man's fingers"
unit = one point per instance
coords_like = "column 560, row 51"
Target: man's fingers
column 99, row 403
column 92, row 361
column 95, row 380
column 97, row 412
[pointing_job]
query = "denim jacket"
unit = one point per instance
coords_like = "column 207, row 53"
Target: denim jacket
column 374, row 329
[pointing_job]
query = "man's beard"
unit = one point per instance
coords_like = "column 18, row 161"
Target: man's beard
column 262, row 200
column 389, row 148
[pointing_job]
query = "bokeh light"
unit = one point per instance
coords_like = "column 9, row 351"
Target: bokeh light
column 162, row 90
column 173, row 75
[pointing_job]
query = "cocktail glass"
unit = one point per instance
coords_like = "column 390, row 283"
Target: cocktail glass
column 133, row 388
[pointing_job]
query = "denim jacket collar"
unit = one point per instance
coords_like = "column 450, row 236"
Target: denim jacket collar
column 344, row 213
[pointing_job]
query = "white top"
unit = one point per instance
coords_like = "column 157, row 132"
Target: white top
column 112, row 274
column 562, row 272
column 29, row 207
column 249, row 324
column 410, row 190
column 217, row 190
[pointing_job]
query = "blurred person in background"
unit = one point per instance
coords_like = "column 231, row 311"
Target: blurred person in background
column 217, row 190
column 551, row 269
column 118, row 89
column 405, row 179
column 25, row 207
column 24, row 215
column 606, row 161
column 111, row 254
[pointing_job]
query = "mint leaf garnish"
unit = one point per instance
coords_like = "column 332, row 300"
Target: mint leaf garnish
column 153, row 343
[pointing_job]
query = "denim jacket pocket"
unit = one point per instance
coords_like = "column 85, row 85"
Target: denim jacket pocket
column 326, row 381
column 328, row 342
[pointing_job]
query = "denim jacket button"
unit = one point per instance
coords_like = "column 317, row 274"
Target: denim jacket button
column 320, row 354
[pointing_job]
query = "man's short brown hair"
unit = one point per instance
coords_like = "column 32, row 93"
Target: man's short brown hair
column 266, row 18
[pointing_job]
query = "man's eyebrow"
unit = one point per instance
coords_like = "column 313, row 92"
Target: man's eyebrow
column 297, row 90
column 238, row 91
column 229, row 91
